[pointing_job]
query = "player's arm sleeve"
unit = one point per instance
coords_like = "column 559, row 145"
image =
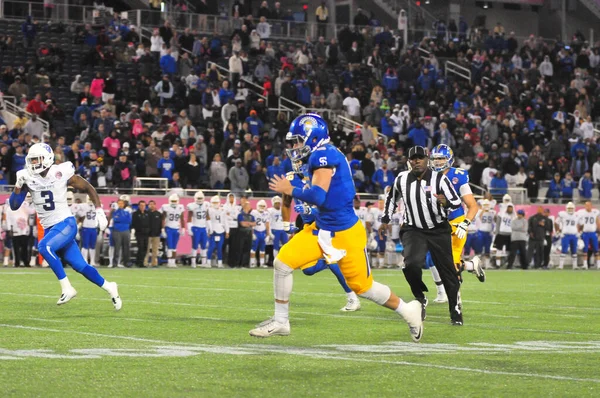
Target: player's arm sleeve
column 16, row 199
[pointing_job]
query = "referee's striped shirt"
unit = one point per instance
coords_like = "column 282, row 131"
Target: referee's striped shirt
column 422, row 210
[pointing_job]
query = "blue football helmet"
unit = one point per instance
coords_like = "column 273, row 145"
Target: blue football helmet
column 441, row 158
column 307, row 133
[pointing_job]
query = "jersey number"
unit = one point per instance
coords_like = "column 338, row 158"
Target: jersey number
column 200, row 215
column 486, row 220
column 90, row 215
column 174, row 217
column 48, row 197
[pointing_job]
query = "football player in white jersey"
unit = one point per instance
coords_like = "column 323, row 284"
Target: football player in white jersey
column 174, row 227
column 7, row 240
column 48, row 183
column 506, row 200
column 566, row 224
column 589, row 224
column 502, row 240
column 280, row 237
column 361, row 212
column 232, row 210
column 261, row 231
column 473, row 242
column 86, row 213
column 486, row 218
column 74, row 207
column 197, row 213
column 218, row 229
column 379, row 234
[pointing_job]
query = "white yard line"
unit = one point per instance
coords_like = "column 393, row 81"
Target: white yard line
column 46, row 320
column 307, row 352
column 345, row 316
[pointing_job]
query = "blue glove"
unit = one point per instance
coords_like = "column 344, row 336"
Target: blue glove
column 289, row 228
column 302, row 209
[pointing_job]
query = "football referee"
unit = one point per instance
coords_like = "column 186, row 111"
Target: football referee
column 428, row 197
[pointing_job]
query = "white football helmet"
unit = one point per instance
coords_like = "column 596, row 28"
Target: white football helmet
column 70, row 198
column 125, row 198
column 485, row 204
column 261, row 205
column 199, row 197
column 215, row 201
column 174, row 200
column 39, row 158
column 570, row 207
column 114, row 206
column 506, row 199
column 276, row 200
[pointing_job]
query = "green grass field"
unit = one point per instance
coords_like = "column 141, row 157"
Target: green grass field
column 184, row 333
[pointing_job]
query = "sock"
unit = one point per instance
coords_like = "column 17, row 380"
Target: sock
column 282, row 312
column 598, row 263
column 561, row 261
column 92, row 256
column 84, row 254
column 111, row 254
column 65, row 284
column 351, row 296
column 252, row 258
column 574, row 261
column 435, row 274
column 220, row 262
column 92, row 275
column 261, row 259
column 498, row 261
column 203, row 253
column 400, row 310
column 5, row 260
column 440, row 288
column 468, row 265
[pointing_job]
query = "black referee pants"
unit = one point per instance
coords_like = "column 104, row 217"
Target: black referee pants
column 20, row 247
column 417, row 242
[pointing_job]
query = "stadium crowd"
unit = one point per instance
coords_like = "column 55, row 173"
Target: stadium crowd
column 526, row 115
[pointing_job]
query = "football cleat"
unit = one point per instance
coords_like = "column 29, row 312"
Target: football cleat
column 66, row 296
column 478, row 269
column 271, row 328
column 264, row 266
column 413, row 314
column 441, row 298
column 352, row 305
column 113, row 290
column 120, row 266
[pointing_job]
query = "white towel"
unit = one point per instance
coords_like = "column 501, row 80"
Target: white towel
column 331, row 254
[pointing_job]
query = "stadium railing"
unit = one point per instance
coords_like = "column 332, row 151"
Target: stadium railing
column 8, row 104
column 454, row 68
column 257, row 89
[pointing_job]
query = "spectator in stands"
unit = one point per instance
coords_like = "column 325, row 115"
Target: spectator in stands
column 225, row 93
column 579, row 164
column 498, row 186
column 255, row 125
column 586, row 185
column 166, row 166
column 383, row 178
column 567, row 186
column 239, row 178
column 97, row 86
column 531, row 184
column 28, row 28
column 34, row 127
column 218, row 172
column 263, row 29
column 112, row 146
column 168, row 64
column 123, row 172
column 554, row 190
column 36, row 105
column 352, row 107
column 322, row 19
column 77, row 85
column 164, row 90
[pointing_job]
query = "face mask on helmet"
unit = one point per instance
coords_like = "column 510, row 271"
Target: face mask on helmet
column 506, row 199
column 438, row 163
column 570, row 208
column 261, row 205
column 276, row 202
column 215, row 202
column 299, row 150
column 199, row 198
column 173, row 200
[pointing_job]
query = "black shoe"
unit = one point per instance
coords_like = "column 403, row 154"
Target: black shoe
column 456, row 318
column 198, row 260
column 424, row 303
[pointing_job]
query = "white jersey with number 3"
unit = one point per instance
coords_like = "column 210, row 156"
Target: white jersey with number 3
column 199, row 213
column 88, row 213
column 172, row 215
column 567, row 222
column 276, row 221
column 261, row 217
column 588, row 219
column 49, row 193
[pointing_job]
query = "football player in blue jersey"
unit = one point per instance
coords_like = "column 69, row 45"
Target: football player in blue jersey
column 309, row 214
column 441, row 160
column 337, row 234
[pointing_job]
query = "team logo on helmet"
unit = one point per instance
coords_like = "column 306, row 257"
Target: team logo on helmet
column 308, row 123
column 47, row 147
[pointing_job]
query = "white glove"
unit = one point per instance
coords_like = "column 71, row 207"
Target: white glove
column 77, row 237
column 132, row 233
column 20, row 178
column 182, row 232
column 461, row 229
column 163, row 233
column 101, row 217
column 190, row 232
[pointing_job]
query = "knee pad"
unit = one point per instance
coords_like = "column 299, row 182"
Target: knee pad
column 378, row 293
column 281, row 268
